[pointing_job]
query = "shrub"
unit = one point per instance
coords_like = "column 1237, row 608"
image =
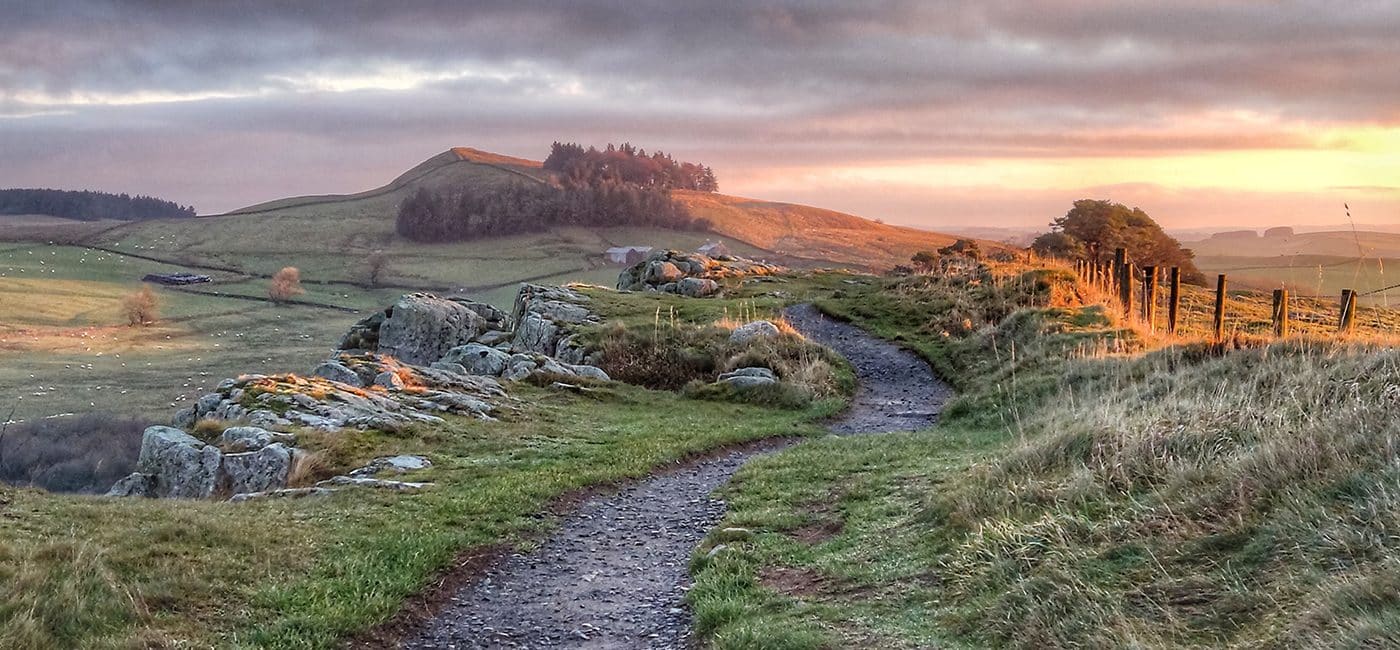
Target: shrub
column 285, row 285
column 86, row 453
column 142, row 307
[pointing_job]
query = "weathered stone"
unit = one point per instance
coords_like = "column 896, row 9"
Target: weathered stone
column 335, row 371
column 750, row 331
column 207, row 403
column 361, row 481
column 755, row 371
column 697, row 287
column 536, row 334
column 181, row 466
column 257, row 471
column 184, row 418
column 134, row 485
column 389, row 380
column 591, row 372
column 250, row 438
column 448, row 366
column 742, row 382
column 394, row 465
column 659, row 272
column 478, row 359
column 289, row 493
column 421, row 328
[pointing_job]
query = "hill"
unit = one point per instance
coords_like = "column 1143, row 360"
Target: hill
column 1335, row 243
column 783, row 230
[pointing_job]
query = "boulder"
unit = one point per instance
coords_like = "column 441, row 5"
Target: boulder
column 755, row 371
column 478, row 359
column 250, row 438
column 336, row 371
column 135, row 485
column 184, row 418
column 697, row 287
column 536, row 334
column 750, row 331
column 389, row 380
column 288, row 493
column 257, row 471
column 592, row 372
column 421, row 328
column 393, row 465
column 448, row 366
column 180, row 465
column 364, row 335
column 661, row 272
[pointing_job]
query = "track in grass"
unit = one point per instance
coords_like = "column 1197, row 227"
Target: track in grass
column 614, row 575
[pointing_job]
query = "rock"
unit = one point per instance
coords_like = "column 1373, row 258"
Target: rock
column 519, row 369
column 360, row 481
column 753, row 371
column 389, row 380
column 335, row 371
column 180, row 465
column 207, row 403
column 592, row 372
column 750, row 331
column 134, row 485
column 266, row 419
column 719, row 548
column 364, row 335
column 448, row 366
column 478, row 359
column 257, row 471
column 250, row 438
column 661, row 272
column 420, row 328
column 393, row 464
column 184, row 418
column 697, row 287
column 288, row 493
column 536, row 334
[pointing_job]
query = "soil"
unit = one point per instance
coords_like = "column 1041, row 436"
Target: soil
column 615, row 573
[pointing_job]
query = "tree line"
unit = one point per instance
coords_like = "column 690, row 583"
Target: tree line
column 88, row 205
column 473, row 213
column 580, row 167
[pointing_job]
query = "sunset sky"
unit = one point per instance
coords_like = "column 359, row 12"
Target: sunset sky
column 922, row 113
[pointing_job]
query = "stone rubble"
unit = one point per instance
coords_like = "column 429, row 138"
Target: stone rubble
column 689, row 274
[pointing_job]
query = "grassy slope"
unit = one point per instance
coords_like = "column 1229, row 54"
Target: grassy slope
column 1077, row 497
column 90, row 572
column 1321, row 263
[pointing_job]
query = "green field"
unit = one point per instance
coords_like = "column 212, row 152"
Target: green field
column 1311, row 275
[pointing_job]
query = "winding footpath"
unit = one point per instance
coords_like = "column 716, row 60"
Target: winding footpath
column 614, row 575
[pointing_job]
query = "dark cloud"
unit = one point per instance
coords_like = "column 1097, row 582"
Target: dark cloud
column 745, row 85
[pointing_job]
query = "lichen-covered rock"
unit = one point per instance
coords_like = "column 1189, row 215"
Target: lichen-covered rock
column 478, row 359
column 393, row 465
column 745, row 378
column 389, row 380
column 180, row 465
column 420, row 328
column 697, row 287
column 338, row 372
column 661, row 272
column 250, row 438
column 448, row 366
column 257, row 471
column 755, row 330
column 546, row 319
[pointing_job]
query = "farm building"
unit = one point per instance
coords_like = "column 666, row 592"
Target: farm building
column 713, row 249
column 176, row 278
column 627, row 254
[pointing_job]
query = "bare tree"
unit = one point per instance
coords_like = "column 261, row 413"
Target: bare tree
column 375, row 266
column 285, row 285
column 142, row 308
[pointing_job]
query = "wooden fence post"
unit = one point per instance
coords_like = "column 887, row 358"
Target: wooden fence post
column 1174, row 300
column 1125, row 289
column 1220, row 307
column 1348, row 319
column 1281, row 313
column 1149, row 297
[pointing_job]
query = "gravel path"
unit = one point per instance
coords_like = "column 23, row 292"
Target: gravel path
column 615, row 573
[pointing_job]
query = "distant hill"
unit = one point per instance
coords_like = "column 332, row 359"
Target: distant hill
column 783, row 229
column 1335, row 243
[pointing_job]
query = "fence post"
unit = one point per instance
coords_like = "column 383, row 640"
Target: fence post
column 1220, row 307
column 1348, row 319
column 1125, row 289
column 1174, row 300
column 1149, row 297
column 1281, row 313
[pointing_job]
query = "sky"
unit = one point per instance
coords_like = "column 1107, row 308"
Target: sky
column 919, row 112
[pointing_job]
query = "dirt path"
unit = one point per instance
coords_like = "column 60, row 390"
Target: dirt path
column 615, row 573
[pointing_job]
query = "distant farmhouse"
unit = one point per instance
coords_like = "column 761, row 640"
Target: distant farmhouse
column 627, row 254
column 713, row 249
column 176, row 278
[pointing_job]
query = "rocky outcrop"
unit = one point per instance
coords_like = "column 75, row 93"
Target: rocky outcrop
column 689, row 274
column 478, row 359
column 257, row 471
column 420, row 328
column 176, row 465
column 547, row 319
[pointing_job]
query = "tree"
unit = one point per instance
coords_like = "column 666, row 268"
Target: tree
column 1094, row 228
column 375, row 264
column 285, row 285
column 924, row 261
column 142, row 308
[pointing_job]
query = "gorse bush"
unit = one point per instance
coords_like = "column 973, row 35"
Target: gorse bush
column 86, row 453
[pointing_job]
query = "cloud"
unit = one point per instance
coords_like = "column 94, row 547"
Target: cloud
column 751, row 88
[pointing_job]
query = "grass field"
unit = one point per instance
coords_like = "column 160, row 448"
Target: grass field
column 1092, row 486
column 1311, row 275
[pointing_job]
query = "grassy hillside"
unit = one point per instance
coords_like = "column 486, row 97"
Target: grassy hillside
column 1092, row 486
